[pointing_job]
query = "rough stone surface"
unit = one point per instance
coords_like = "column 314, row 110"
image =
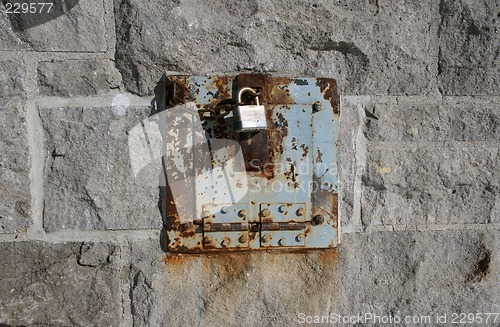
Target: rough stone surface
column 434, row 159
column 461, row 121
column 431, row 185
column 9, row 40
column 88, row 77
column 90, row 184
column 95, row 254
column 419, row 186
column 469, row 53
column 350, row 161
column 12, row 73
column 82, row 29
column 400, row 273
column 420, row 273
column 15, row 194
column 44, row 285
column 362, row 44
column 256, row 289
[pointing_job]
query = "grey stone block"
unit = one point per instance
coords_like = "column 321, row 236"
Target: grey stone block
column 431, row 185
column 90, row 184
column 82, row 29
column 420, row 273
column 95, row 254
column 15, row 192
column 461, row 121
column 44, row 285
column 9, row 40
column 86, row 77
column 11, row 78
column 364, row 45
column 252, row 289
column 468, row 48
column 350, row 161
column 404, row 273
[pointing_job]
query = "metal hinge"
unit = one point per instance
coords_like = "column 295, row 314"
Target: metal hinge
column 276, row 224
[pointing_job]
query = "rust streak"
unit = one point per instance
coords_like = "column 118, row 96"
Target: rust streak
column 177, row 90
column 277, row 91
column 221, row 84
column 328, row 88
column 174, row 258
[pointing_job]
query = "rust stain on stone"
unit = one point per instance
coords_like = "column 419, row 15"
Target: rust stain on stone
column 233, row 265
column 236, row 258
column 329, row 256
column 482, row 268
column 174, row 259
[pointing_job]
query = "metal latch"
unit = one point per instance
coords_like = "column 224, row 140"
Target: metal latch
column 226, row 227
column 283, row 224
column 268, row 186
column 278, row 225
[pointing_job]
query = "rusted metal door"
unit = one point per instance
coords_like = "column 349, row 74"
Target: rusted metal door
column 265, row 189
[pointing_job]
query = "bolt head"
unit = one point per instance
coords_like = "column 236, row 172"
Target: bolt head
column 318, row 219
column 242, row 213
column 266, row 238
column 299, row 238
column 225, row 242
column 282, row 208
column 224, row 210
column 282, row 241
column 243, row 238
column 300, row 212
column 265, row 213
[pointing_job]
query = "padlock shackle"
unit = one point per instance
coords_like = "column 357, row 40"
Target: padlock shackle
column 245, row 90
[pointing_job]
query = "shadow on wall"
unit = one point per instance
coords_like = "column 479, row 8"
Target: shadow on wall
column 23, row 17
column 158, row 104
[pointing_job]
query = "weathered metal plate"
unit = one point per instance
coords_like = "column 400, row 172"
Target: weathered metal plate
column 246, row 191
column 282, row 239
column 283, row 212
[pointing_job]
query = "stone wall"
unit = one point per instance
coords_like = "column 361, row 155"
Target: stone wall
column 80, row 236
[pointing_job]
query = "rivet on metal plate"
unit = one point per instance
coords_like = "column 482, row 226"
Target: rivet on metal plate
column 225, row 242
column 266, row 238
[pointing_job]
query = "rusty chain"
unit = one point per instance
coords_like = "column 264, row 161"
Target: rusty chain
column 216, row 112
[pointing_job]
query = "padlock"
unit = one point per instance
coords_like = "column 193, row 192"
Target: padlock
column 249, row 118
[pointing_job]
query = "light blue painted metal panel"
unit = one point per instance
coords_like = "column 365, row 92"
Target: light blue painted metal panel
column 288, row 199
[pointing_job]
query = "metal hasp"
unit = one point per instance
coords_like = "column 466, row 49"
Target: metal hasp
column 273, row 188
